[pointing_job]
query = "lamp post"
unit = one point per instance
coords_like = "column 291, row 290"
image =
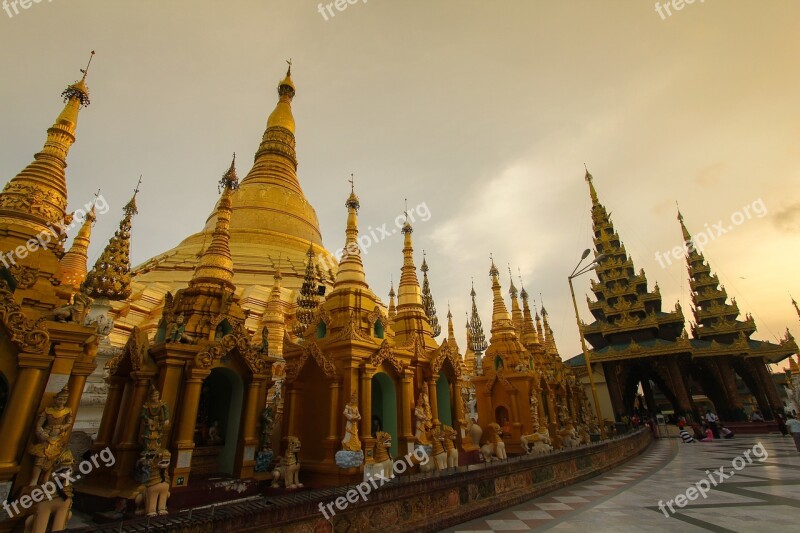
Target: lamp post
column 575, row 274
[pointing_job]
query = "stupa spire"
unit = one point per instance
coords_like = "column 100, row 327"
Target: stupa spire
column 529, row 335
column 111, row 275
column 216, row 262
column 501, row 318
column 408, row 291
column 796, row 308
column 451, row 335
column 427, row 299
column 550, row 342
column 351, row 267
column 73, row 264
column 392, row 307
column 517, row 316
column 36, row 198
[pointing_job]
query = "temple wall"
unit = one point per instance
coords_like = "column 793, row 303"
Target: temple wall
column 419, row 504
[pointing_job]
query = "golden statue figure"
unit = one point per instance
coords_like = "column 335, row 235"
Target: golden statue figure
column 51, row 435
column 350, row 442
column 155, row 418
column 422, row 414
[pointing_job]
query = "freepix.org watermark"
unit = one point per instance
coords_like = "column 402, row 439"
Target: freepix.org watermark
column 715, row 477
column 373, row 236
column 677, row 5
column 326, row 9
column 52, row 233
column 712, row 232
column 62, row 478
column 363, row 489
column 11, row 5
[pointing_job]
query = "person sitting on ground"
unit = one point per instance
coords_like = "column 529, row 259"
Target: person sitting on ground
column 793, row 425
column 756, row 417
column 726, row 433
column 709, row 435
column 686, row 437
column 781, row 420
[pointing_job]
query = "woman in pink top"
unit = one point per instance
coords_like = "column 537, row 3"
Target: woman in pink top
column 709, row 435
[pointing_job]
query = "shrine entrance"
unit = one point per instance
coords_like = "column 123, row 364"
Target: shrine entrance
column 217, row 426
column 384, row 408
column 443, row 403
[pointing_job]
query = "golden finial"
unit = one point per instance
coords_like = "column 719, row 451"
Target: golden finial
column 680, row 217
column 352, row 183
column 229, row 180
column 86, row 70
column 352, row 200
column 407, row 226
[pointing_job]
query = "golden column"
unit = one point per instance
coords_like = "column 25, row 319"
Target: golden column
column 116, row 386
column 183, row 440
column 433, row 399
column 406, row 409
column 367, row 373
column 575, row 273
column 332, row 442
column 22, row 403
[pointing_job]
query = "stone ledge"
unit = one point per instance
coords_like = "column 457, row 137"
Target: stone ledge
column 423, row 502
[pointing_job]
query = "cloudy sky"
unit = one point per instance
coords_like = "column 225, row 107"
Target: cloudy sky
column 485, row 112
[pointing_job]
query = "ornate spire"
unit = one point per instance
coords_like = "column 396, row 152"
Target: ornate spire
column 392, row 307
column 451, row 336
column 476, row 339
column 795, row 307
column 351, row 267
column 427, row 299
column 216, row 263
column 501, row 319
column 409, row 291
column 73, row 264
column 308, row 299
column 715, row 318
column 529, row 335
column 550, row 342
column 37, row 197
column 622, row 295
column 592, row 193
column 111, row 276
column 516, row 313
column 539, row 330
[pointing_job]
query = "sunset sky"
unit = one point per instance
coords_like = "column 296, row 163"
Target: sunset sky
column 485, row 112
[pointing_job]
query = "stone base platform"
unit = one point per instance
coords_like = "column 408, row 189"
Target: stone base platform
column 420, row 503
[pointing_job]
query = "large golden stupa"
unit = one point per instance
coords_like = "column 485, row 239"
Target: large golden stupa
column 272, row 226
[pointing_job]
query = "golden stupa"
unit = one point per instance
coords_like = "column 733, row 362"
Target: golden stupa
column 271, row 226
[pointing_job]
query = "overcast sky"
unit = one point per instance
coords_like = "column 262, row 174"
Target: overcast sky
column 483, row 111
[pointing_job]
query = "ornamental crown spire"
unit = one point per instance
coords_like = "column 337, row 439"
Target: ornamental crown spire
column 216, row 262
column 37, row 196
column 475, row 328
column 308, row 299
column 795, row 307
column 715, row 318
column 589, row 179
column 111, row 275
column 427, row 299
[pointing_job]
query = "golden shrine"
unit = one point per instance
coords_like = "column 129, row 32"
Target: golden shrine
column 248, row 351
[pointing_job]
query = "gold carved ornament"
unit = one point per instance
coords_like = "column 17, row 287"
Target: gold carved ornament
column 29, row 337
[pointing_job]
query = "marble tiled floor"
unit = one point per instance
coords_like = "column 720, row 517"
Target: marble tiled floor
column 761, row 496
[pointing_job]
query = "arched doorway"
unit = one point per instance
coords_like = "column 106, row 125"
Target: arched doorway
column 501, row 416
column 443, row 400
column 384, row 407
column 219, row 415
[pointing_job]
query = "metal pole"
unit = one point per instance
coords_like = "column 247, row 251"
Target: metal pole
column 588, row 362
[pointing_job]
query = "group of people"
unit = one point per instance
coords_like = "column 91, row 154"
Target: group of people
column 710, row 429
